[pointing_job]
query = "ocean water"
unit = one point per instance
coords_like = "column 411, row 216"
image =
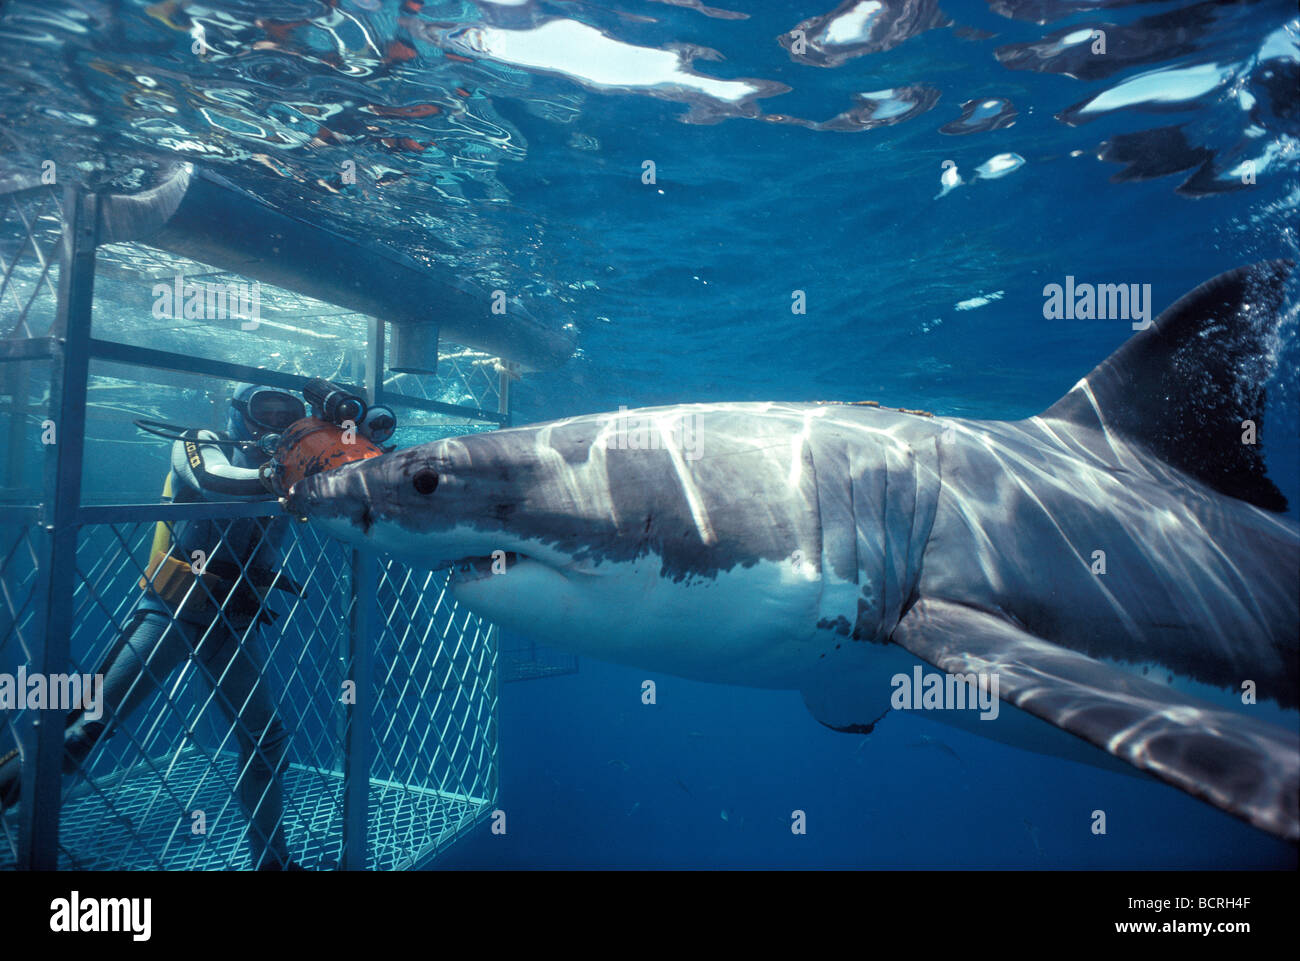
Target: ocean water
column 510, row 142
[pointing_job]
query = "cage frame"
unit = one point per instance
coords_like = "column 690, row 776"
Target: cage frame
column 59, row 516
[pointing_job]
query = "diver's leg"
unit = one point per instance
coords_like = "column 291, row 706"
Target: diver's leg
column 245, row 699
column 149, row 648
column 11, row 774
column 153, row 645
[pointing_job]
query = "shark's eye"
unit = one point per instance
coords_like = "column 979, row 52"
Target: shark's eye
column 425, row 481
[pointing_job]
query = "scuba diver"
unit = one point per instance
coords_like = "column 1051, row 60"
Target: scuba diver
column 204, row 598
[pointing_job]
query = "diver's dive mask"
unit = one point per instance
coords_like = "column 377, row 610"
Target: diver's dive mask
column 266, row 410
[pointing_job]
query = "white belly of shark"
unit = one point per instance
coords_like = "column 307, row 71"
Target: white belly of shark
column 628, row 614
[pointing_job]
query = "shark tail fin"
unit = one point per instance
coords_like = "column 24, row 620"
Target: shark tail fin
column 1185, row 386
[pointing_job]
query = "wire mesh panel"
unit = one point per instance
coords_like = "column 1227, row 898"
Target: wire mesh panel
column 18, row 566
column 154, row 299
column 466, row 377
column 436, row 736
column 30, row 221
column 236, row 710
column 219, row 743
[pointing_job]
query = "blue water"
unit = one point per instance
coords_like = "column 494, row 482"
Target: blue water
column 681, row 291
column 893, row 799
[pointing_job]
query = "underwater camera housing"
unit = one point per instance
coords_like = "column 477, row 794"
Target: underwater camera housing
column 310, row 446
column 342, row 428
column 334, row 403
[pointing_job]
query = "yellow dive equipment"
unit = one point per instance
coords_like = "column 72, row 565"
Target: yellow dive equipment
column 169, row 577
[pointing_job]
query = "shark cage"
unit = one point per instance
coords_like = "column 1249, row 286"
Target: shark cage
column 348, row 718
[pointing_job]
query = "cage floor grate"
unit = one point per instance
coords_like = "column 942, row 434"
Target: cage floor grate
column 139, row 819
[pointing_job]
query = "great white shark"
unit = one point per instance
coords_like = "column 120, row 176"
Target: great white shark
column 1117, row 566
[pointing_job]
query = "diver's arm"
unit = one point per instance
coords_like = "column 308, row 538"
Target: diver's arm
column 206, row 468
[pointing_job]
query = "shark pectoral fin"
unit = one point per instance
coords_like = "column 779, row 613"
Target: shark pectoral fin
column 1246, row 767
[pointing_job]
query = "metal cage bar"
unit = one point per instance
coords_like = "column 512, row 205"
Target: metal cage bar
column 356, row 771
column 71, row 336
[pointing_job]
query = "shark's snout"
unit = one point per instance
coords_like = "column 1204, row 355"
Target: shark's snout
column 429, row 505
column 337, row 495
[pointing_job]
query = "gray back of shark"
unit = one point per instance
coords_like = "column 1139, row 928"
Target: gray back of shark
column 1118, row 565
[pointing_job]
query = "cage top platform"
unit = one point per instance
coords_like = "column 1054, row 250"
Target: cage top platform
column 206, row 218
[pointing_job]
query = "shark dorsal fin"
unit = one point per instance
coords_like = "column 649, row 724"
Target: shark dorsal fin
column 1183, row 386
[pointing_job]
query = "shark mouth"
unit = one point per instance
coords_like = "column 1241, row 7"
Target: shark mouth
column 470, row 569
